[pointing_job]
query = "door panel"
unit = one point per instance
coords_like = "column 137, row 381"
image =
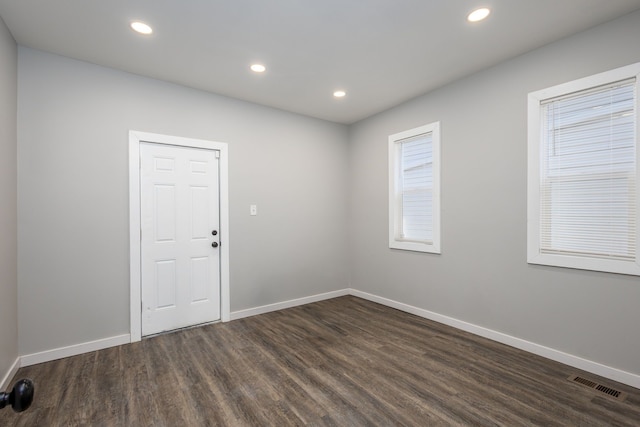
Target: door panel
column 165, row 283
column 165, row 213
column 199, row 279
column 179, row 211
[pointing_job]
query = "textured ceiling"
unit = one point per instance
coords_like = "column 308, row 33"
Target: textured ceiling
column 382, row 52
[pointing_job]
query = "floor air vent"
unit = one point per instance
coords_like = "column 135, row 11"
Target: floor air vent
column 617, row 394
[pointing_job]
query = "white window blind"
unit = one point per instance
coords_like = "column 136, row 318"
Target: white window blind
column 588, row 173
column 414, row 189
column 415, row 194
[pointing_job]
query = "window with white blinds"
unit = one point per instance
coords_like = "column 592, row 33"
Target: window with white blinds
column 414, row 189
column 584, row 189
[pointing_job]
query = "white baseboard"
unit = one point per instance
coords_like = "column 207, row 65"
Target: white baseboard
column 73, row 350
column 5, row 383
column 568, row 359
column 287, row 304
column 549, row 353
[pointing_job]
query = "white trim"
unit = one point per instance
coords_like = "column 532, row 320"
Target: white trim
column 135, row 137
column 534, row 130
column 74, row 350
column 606, row 77
column 587, row 365
column 395, row 215
column 135, row 298
column 287, row 304
column 568, row 359
column 6, row 381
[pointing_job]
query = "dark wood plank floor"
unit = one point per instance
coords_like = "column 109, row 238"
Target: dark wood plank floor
column 341, row 362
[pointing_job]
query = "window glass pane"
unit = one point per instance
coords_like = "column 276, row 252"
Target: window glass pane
column 416, row 164
column 588, row 173
column 414, row 189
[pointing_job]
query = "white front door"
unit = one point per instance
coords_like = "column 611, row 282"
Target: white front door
column 180, row 256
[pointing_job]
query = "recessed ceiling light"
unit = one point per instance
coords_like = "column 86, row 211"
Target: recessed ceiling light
column 258, row 68
column 339, row 93
column 141, row 27
column 478, row 14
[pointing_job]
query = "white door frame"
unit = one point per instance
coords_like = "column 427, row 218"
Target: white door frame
column 135, row 138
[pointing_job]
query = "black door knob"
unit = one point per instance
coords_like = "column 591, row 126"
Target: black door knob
column 20, row 397
column 214, row 244
column 214, row 232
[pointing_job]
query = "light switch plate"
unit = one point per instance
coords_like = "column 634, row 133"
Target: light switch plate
column 253, row 210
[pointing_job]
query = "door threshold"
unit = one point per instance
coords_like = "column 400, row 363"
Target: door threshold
column 180, row 329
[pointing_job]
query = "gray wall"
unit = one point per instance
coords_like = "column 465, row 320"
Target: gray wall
column 73, row 123
column 313, row 182
column 482, row 276
column 8, row 201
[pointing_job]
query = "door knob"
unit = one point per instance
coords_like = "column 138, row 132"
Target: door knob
column 214, row 232
column 214, row 244
column 20, row 397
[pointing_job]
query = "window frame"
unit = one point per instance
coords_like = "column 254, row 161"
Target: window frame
column 535, row 145
column 395, row 211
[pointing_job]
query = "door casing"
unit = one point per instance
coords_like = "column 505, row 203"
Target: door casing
column 135, row 138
